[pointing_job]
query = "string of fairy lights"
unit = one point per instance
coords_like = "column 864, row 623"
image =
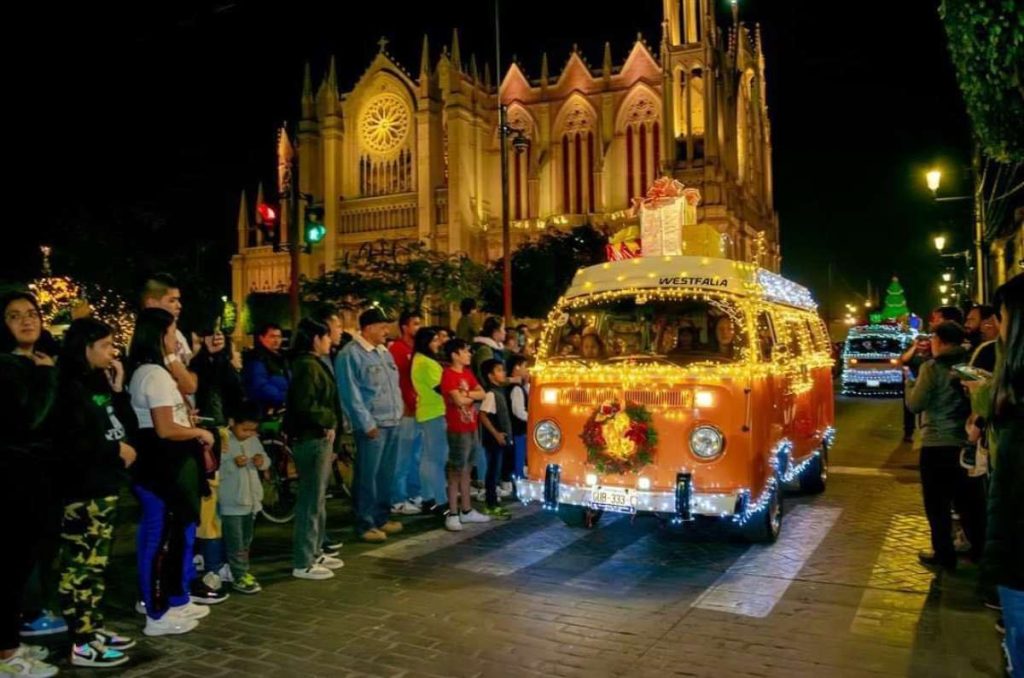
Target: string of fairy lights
column 62, row 299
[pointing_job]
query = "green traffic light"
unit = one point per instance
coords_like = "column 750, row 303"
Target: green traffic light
column 315, row 233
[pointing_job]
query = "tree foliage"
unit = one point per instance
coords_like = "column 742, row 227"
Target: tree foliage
column 542, row 270
column 986, row 43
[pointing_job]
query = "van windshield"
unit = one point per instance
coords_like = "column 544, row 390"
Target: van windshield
column 874, row 345
column 678, row 332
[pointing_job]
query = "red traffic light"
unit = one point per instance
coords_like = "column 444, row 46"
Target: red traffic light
column 267, row 214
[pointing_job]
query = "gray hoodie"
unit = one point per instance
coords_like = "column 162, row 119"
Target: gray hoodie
column 938, row 394
column 241, row 491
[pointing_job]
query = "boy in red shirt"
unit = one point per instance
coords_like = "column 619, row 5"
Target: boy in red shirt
column 461, row 392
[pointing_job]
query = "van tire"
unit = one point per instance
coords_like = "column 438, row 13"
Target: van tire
column 815, row 476
column 765, row 527
column 579, row 516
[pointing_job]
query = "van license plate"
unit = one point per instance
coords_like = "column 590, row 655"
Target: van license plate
column 874, row 384
column 617, row 499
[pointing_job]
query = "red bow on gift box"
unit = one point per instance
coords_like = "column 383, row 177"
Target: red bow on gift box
column 665, row 190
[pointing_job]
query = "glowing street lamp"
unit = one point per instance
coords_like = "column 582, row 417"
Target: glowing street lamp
column 945, row 301
column 947, row 276
column 943, row 288
column 934, row 178
column 940, row 242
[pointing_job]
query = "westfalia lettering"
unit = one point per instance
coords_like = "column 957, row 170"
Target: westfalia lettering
column 695, row 282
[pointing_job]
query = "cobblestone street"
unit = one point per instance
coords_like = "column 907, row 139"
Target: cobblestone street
column 840, row 594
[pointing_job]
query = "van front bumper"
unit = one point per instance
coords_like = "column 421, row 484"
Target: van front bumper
column 719, row 505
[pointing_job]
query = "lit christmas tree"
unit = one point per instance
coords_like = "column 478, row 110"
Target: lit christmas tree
column 895, row 301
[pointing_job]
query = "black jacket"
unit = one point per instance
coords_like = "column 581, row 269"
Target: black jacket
column 1004, row 544
column 220, row 386
column 27, row 397
column 313, row 405
column 91, row 423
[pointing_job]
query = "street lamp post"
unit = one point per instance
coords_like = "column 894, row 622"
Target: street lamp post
column 933, row 178
column 520, row 143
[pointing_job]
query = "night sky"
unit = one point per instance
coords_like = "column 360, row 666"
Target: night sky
column 137, row 126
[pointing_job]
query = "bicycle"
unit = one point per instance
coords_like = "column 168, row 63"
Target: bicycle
column 281, row 479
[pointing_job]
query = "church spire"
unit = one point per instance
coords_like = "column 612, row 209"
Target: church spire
column 606, row 63
column 544, row 74
column 308, row 101
column 243, row 223
column 425, row 58
column 328, row 94
column 456, row 54
column 473, row 71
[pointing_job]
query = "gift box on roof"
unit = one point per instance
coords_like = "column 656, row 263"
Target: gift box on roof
column 625, row 244
column 668, row 222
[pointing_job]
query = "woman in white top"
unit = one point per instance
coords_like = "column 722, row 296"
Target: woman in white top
column 167, row 475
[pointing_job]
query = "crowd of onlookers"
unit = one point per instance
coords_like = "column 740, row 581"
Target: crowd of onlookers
column 180, row 422
column 965, row 392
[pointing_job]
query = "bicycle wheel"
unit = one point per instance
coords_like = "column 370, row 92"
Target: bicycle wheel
column 280, row 485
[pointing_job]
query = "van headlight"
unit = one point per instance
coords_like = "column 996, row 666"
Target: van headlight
column 547, row 435
column 706, row 442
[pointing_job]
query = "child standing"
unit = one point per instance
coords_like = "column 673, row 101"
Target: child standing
column 461, row 392
column 519, row 397
column 241, row 492
column 496, row 432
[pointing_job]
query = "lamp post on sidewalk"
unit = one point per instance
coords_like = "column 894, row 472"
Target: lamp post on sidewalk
column 520, row 143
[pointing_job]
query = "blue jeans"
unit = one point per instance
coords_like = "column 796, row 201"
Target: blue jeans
column 434, row 435
column 480, row 457
column 407, row 467
column 313, row 462
column 520, row 456
column 374, row 476
column 1013, row 619
column 160, row 549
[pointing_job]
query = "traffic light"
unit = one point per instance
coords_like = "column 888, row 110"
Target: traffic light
column 315, row 230
column 267, row 220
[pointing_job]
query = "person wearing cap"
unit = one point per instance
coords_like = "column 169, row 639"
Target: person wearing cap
column 372, row 400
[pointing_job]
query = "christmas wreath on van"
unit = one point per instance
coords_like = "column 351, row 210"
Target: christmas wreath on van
column 619, row 438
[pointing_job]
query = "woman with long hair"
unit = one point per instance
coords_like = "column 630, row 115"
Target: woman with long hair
column 1003, row 563
column 27, row 402
column 311, row 419
column 95, row 418
column 167, row 476
column 426, row 381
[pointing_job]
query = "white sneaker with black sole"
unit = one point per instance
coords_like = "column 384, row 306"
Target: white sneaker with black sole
column 95, row 655
column 452, row 523
column 168, row 625
column 330, row 562
column 313, row 572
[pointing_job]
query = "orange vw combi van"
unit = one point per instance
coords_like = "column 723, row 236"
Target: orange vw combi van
column 680, row 386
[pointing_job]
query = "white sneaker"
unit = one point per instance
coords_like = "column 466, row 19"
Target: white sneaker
column 396, row 509
column 417, row 502
column 225, row 574
column 452, row 523
column 190, row 611
column 140, row 606
column 407, row 508
column 169, row 625
column 330, row 562
column 474, row 516
column 20, row 664
column 35, row 652
column 505, row 490
column 314, row 572
column 212, row 580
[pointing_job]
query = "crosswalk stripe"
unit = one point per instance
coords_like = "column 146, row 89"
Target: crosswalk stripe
column 417, row 546
column 528, row 550
column 756, row 582
column 625, row 569
column 896, row 592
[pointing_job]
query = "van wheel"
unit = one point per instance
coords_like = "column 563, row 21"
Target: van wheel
column 764, row 528
column 579, row 516
column 815, row 476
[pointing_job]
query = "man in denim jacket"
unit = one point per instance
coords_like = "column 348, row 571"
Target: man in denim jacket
column 371, row 398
